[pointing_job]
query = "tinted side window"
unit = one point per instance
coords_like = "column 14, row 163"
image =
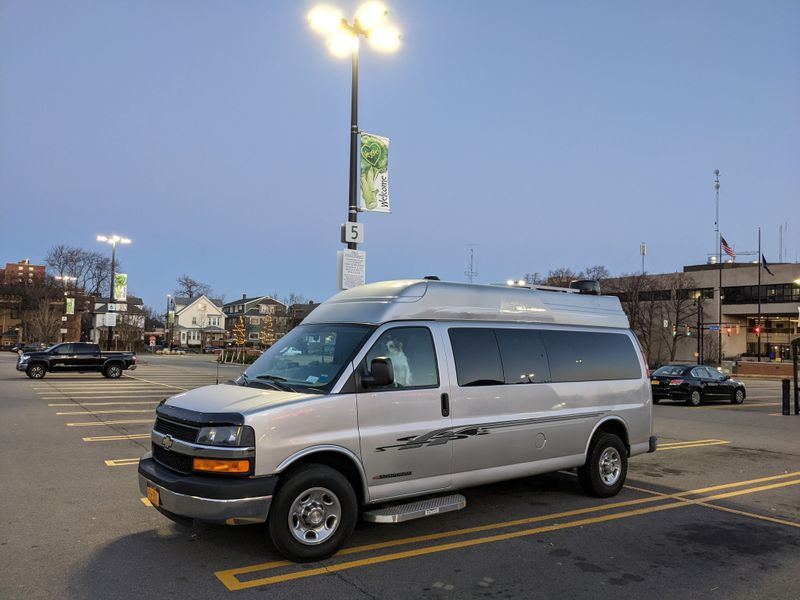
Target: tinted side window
column 413, row 358
column 523, row 355
column 477, row 357
column 85, row 348
column 589, row 356
column 64, row 349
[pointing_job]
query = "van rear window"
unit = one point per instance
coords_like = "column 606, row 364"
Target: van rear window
column 590, row 356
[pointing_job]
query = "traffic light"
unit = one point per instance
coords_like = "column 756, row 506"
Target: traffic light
column 757, row 331
column 688, row 332
column 730, row 331
column 674, row 330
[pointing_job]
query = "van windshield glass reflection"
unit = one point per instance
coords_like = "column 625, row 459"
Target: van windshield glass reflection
column 309, row 358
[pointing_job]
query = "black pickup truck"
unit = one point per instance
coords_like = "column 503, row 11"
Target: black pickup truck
column 75, row 357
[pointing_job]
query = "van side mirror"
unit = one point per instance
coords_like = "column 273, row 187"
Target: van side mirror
column 381, row 373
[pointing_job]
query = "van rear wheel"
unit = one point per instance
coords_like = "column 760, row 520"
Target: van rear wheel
column 606, row 467
column 313, row 513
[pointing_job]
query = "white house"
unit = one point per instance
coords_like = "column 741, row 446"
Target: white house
column 199, row 321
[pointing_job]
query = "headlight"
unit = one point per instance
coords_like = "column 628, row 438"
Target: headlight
column 23, row 357
column 227, row 435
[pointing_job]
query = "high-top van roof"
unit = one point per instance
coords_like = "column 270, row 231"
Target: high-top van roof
column 421, row 299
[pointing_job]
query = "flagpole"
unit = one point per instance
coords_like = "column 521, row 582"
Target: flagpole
column 758, row 323
column 719, row 261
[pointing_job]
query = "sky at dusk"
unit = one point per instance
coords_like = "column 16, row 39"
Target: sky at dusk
column 215, row 135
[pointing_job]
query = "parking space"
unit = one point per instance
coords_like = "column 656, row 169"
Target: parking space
column 714, row 510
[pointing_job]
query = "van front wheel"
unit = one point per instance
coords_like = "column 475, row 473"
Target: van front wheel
column 313, row 513
column 606, row 467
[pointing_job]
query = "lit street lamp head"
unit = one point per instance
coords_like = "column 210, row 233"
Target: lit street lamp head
column 343, row 36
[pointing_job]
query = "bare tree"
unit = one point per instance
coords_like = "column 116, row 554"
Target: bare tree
column 187, row 286
column 678, row 308
column 562, row 277
column 597, row 272
column 91, row 269
column 641, row 303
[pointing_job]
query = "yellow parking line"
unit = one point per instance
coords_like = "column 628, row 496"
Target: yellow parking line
column 114, row 438
column 693, row 445
column 229, row 579
column 104, row 412
column 668, row 444
column 516, row 522
column 122, row 462
column 94, row 423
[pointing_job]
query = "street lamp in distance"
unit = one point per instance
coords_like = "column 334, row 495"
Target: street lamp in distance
column 343, row 40
column 113, row 240
column 66, row 279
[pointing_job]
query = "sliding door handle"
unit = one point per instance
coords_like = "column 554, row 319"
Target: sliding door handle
column 445, row 405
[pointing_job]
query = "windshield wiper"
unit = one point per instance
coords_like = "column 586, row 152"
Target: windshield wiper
column 278, row 382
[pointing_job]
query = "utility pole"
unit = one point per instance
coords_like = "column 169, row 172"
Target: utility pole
column 471, row 273
column 643, row 252
column 719, row 264
column 758, row 322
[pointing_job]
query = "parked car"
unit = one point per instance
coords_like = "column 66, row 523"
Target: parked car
column 76, row 357
column 211, row 349
column 291, row 351
column 694, row 384
column 408, row 388
column 28, row 347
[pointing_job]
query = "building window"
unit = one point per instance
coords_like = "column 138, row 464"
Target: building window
column 253, row 336
column 255, row 321
column 194, row 320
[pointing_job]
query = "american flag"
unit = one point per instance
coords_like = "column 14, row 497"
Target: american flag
column 726, row 248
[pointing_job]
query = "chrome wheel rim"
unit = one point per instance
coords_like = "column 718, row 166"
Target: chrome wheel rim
column 610, row 466
column 314, row 516
column 739, row 396
column 114, row 372
column 37, row 371
column 695, row 398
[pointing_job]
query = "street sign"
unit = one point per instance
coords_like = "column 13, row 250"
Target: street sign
column 666, row 323
column 63, row 318
column 353, row 233
column 63, row 330
column 713, row 327
column 351, row 268
column 152, row 340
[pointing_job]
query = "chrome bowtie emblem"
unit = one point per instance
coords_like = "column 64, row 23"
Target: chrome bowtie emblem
column 167, row 442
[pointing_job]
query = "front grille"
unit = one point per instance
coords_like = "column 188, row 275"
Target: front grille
column 177, row 462
column 179, row 431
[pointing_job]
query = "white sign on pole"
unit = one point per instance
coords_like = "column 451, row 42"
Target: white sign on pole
column 353, row 233
column 63, row 330
column 666, row 323
column 63, row 318
column 351, row 268
column 111, row 319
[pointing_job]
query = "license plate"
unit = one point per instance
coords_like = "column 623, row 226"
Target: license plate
column 153, row 495
column 656, row 382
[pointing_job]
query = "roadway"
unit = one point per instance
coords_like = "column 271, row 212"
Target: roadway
column 713, row 513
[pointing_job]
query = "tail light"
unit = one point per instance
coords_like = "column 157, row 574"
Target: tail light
column 675, row 381
column 134, row 359
column 646, row 367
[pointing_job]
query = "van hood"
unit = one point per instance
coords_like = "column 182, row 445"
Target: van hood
column 233, row 398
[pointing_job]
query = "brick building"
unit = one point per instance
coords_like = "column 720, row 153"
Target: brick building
column 22, row 272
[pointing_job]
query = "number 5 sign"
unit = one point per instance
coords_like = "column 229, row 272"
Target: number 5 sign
column 353, row 233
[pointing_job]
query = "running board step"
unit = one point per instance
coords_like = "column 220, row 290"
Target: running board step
column 416, row 510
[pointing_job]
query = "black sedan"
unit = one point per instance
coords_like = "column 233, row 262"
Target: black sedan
column 694, row 384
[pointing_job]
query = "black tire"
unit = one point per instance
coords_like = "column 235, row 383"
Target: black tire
column 738, row 396
column 291, row 490
column 694, row 398
column 36, row 371
column 112, row 371
column 597, row 480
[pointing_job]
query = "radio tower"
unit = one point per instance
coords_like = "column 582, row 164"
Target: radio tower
column 471, row 273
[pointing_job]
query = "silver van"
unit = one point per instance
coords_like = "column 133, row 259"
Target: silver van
column 398, row 390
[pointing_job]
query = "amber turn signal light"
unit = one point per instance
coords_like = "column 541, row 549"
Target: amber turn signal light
column 221, row 466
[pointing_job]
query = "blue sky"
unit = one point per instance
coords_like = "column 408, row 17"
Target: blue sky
column 215, row 135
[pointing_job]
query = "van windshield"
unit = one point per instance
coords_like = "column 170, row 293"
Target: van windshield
column 309, row 358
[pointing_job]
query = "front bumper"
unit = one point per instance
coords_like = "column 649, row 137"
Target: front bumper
column 207, row 498
column 22, row 366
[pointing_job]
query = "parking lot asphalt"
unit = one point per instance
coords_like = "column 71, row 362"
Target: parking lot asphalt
column 715, row 512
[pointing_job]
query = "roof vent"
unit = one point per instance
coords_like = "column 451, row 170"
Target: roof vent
column 431, row 278
column 586, row 286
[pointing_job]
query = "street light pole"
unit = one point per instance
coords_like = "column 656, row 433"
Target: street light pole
column 352, row 202
column 167, row 343
column 113, row 240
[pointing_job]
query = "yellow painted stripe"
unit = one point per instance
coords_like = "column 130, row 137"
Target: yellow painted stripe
column 122, row 462
column 695, row 445
column 232, row 583
column 95, row 423
column 115, row 438
column 104, row 412
column 73, row 404
column 523, row 521
column 667, row 444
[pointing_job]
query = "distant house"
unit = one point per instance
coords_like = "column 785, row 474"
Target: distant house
column 298, row 312
column 126, row 317
column 199, row 322
column 257, row 313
